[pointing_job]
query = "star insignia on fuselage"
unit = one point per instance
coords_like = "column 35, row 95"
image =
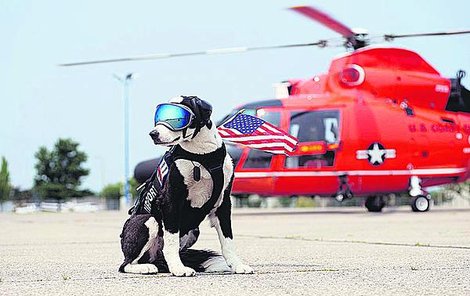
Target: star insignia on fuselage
column 376, row 154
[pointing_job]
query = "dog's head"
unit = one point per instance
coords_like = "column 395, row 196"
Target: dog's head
column 180, row 120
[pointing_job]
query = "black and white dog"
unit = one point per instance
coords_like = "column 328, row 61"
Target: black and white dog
column 193, row 181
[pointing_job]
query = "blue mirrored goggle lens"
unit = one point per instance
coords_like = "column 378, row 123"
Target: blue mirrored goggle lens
column 174, row 116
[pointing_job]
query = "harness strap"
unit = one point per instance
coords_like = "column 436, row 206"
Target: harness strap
column 213, row 162
column 151, row 189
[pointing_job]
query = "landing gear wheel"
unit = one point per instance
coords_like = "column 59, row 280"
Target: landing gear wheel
column 343, row 195
column 375, row 203
column 420, row 203
column 339, row 197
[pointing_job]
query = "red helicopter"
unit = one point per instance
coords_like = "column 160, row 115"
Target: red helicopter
column 381, row 120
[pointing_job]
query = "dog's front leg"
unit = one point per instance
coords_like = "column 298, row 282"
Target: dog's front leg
column 171, row 252
column 221, row 220
column 171, row 238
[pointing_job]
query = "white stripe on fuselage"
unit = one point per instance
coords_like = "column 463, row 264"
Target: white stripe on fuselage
column 415, row 172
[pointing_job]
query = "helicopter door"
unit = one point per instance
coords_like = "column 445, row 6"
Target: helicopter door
column 318, row 135
column 310, row 167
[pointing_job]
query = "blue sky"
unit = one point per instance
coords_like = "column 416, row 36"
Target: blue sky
column 40, row 102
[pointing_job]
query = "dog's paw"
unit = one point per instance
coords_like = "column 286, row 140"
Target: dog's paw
column 183, row 271
column 141, row 268
column 242, row 268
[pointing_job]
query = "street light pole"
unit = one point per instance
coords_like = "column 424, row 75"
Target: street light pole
column 126, row 82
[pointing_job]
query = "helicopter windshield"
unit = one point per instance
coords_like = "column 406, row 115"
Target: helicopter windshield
column 269, row 116
column 273, row 117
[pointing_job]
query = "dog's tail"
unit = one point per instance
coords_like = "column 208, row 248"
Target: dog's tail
column 199, row 260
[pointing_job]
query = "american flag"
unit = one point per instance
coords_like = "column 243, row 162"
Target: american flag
column 256, row 133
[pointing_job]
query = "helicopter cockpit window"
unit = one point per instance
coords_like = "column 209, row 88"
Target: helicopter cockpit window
column 233, row 112
column 321, row 128
column 310, row 126
column 273, row 118
column 258, row 159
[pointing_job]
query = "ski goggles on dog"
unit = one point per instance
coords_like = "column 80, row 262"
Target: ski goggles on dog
column 175, row 117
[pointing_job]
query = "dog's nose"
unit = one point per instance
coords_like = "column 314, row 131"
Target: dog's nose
column 154, row 134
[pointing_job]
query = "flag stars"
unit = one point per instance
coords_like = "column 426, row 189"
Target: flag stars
column 244, row 124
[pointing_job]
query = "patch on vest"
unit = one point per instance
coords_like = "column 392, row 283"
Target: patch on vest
column 150, row 190
column 162, row 171
column 149, row 198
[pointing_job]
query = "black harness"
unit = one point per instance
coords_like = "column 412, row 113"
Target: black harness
column 151, row 191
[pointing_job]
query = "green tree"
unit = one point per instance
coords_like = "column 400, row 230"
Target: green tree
column 116, row 190
column 112, row 191
column 5, row 187
column 133, row 184
column 59, row 171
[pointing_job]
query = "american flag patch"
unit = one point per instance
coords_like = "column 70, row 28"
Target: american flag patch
column 162, row 171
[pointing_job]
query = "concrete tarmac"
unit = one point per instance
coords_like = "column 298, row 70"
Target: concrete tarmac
column 294, row 252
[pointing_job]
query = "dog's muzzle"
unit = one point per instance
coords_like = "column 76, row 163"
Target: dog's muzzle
column 155, row 135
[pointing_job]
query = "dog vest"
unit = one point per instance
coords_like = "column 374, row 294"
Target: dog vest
column 150, row 192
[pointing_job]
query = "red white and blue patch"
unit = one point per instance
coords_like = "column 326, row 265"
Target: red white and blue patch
column 162, row 171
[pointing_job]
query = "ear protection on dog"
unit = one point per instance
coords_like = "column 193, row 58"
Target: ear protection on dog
column 202, row 112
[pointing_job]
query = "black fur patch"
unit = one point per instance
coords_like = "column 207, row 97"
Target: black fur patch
column 134, row 236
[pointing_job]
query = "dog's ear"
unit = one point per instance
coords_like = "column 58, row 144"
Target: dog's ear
column 205, row 110
column 202, row 110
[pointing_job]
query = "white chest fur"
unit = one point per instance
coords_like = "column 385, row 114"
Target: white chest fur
column 200, row 191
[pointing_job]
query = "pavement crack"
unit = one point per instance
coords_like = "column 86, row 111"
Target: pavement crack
column 300, row 238
column 63, row 243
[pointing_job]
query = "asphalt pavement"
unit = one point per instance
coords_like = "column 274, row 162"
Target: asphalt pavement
column 343, row 251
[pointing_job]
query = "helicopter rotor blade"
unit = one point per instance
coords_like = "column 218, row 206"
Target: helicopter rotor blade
column 391, row 37
column 324, row 19
column 307, row 11
column 229, row 50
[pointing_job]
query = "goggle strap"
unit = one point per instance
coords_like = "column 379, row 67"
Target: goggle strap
column 195, row 107
column 197, row 115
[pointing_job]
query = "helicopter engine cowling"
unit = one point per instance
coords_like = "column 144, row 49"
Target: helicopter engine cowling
column 385, row 72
